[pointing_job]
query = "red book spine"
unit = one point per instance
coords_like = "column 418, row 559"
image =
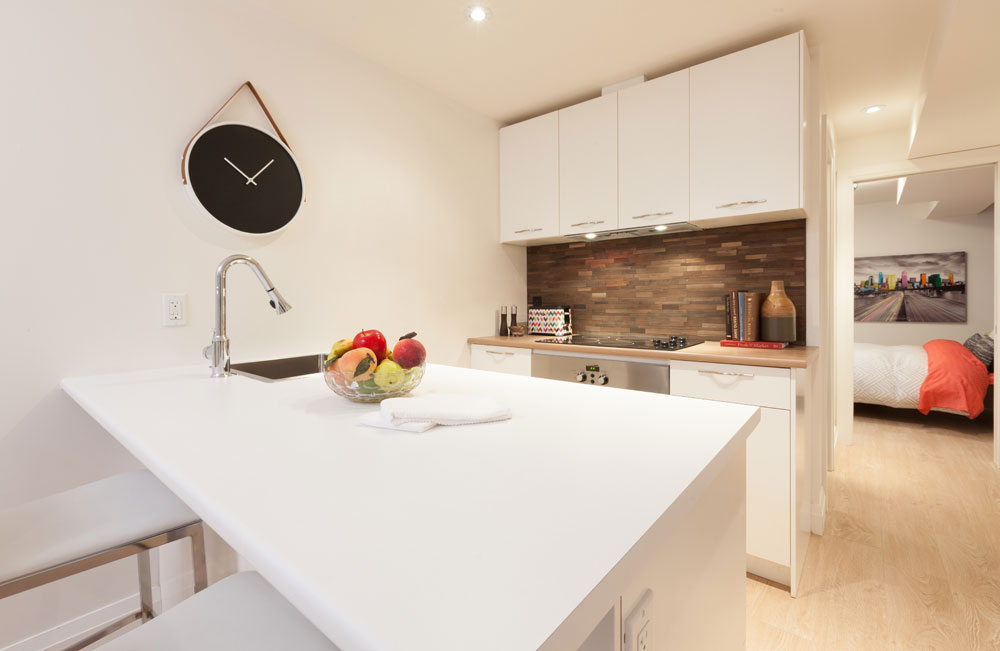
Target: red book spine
column 770, row 345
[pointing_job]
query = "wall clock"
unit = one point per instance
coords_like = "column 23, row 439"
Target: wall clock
column 245, row 178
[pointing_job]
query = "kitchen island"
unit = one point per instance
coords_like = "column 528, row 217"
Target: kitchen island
column 542, row 531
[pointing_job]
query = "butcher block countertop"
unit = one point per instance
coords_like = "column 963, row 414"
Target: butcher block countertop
column 710, row 351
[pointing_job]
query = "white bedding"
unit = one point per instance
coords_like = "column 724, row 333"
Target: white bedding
column 889, row 375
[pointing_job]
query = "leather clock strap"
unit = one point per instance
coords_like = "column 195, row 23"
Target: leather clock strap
column 263, row 107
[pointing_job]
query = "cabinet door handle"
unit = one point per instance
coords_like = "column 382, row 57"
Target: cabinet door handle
column 726, row 373
column 737, row 204
column 600, row 221
column 527, row 230
column 497, row 352
column 654, row 214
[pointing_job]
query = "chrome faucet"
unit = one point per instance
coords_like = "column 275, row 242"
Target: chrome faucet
column 218, row 350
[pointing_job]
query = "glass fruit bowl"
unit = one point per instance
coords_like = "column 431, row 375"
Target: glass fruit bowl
column 374, row 388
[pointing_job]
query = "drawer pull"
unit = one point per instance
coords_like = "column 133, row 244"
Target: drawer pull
column 654, row 214
column 726, row 373
column 527, row 230
column 497, row 352
column 738, row 204
column 601, row 221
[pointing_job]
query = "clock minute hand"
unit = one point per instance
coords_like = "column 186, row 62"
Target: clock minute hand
column 249, row 180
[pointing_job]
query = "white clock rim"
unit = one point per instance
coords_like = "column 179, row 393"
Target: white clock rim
column 189, row 187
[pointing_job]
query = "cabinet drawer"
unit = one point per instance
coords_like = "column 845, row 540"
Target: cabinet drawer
column 516, row 361
column 746, row 385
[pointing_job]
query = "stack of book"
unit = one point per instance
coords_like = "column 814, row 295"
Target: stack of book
column 743, row 321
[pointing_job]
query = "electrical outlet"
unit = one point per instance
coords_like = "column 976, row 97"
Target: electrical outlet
column 638, row 627
column 174, row 309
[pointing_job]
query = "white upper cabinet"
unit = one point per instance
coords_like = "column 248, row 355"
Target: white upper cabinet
column 588, row 166
column 746, row 116
column 529, row 179
column 653, row 150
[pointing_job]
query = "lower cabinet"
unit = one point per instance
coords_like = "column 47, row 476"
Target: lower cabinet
column 501, row 359
column 777, row 458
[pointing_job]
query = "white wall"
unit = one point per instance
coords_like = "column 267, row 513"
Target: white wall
column 888, row 229
column 399, row 231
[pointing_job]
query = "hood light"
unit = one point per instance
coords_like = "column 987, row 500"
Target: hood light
column 661, row 227
column 590, row 236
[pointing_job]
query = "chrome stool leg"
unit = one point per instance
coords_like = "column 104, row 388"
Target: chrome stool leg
column 145, row 586
column 198, row 561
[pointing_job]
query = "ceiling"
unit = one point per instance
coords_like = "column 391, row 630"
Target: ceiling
column 943, row 195
column 959, row 107
column 533, row 56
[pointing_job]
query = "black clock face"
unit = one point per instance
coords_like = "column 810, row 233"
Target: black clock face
column 245, row 178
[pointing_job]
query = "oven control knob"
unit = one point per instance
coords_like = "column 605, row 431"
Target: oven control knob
column 682, row 341
column 602, row 379
column 581, row 377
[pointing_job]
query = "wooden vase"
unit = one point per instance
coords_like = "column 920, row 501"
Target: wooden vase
column 777, row 315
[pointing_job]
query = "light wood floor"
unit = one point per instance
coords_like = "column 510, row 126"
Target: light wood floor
column 910, row 558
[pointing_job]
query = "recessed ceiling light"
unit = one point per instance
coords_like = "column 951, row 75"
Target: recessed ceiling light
column 478, row 14
column 873, row 109
column 661, row 227
column 590, row 236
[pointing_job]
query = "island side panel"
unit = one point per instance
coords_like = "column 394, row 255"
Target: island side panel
column 695, row 567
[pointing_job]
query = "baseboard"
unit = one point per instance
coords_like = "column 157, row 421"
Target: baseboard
column 819, row 514
column 59, row 636
column 769, row 570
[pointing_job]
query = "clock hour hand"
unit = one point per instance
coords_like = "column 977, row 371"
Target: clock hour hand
column 249, row 180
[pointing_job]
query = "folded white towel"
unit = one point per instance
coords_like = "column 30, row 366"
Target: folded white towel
column 375, row 419
column 444, row 409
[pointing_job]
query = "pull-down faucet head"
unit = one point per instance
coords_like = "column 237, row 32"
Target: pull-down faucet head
column 218, row 350
column 278, row 301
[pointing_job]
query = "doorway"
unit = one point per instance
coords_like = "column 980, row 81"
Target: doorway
column 923, row 296
column 844, row 296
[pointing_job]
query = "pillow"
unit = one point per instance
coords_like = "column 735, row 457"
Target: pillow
column 982, row 347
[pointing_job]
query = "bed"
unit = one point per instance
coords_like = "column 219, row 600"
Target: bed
column 942, row 375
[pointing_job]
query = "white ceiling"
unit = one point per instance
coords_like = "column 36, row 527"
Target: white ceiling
column 943, row 195
column 875, row 192
column 533, row 56
column 961, row 105
column 958, row 193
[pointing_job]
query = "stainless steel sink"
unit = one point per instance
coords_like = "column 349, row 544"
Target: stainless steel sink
column 273, row 370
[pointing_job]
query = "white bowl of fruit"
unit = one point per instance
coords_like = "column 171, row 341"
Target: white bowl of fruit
column 365, row 369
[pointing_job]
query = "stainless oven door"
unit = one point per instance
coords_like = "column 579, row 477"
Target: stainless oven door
column 608, row 370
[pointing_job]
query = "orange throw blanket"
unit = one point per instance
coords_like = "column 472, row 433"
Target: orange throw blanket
column 955, row 379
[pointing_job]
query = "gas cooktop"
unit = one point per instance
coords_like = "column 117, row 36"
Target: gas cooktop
column 670, row 342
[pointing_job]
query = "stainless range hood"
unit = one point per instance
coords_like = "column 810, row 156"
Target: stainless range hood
column 642, row 231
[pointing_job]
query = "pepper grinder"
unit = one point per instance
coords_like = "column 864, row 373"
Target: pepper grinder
column 513, row 318
column 503, row 321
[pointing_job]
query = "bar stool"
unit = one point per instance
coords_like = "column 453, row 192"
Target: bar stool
column 92, row 525
column 241, row 612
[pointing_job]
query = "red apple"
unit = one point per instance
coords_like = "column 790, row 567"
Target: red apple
column 409, row 353
column 373, row 340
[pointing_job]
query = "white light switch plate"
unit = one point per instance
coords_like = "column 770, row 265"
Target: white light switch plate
column 174, row 310
column 638, row 626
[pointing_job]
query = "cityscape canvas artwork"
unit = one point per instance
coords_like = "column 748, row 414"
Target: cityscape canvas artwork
column 919, row 287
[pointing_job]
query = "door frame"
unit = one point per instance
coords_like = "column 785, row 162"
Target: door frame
column 843, row 298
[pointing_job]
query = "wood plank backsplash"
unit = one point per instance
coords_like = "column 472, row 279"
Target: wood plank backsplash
column 671, row 284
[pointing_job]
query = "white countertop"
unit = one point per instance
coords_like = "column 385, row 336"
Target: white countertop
column 472, row 537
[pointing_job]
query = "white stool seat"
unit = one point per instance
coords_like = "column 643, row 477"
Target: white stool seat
column 241, row 612
column 86, row 520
